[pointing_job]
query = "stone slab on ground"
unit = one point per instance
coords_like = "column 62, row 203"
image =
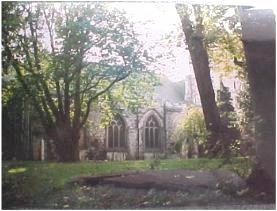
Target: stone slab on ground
column 157, row 189
column 177, row 179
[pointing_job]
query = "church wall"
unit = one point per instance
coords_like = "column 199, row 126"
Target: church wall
column 117, row 156
column 173, row 115
column 132, row 133
column 88, row 139
column 144, row 115
column 93, row 142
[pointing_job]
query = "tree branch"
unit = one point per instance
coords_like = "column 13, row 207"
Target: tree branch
column 77, row 102
column 57, row 83
column 49, row 99
column 36, row 82
column 49, row 27
column 46, row 121
column 88, row 88
column 117, row 79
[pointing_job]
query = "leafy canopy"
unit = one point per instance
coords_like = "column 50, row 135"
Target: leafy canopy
column 191, row 128
column 67, row 55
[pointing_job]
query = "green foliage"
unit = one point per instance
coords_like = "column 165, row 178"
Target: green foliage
column 245, row 112
column 10, row 87
column 191, row 129
column 84, row 37
column 137, row 91
column 17, row 115
column 130, row 95
column 225, row 107
column 223, row 38
column 242, row 166
column 155, row 163
column 220, row 26
column 230, row 143
column 66, row 56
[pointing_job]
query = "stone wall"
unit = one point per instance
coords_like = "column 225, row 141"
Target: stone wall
column 173, row 115
column 134, row 124
column 93, row 140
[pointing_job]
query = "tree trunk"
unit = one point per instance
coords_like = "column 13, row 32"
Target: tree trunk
column 200, row 62
column 66, row 141
column 258, row 34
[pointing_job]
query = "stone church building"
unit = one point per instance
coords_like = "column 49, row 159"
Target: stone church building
column 145, row 135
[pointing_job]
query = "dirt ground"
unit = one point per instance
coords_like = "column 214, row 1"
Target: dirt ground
column 158, row 189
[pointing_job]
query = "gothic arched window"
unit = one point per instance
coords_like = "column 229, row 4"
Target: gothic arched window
column 116, row 135
column 152, row 135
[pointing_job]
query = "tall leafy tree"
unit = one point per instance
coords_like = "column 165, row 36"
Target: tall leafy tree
column 193, row 29
column 226, row 109
column 65, row 56
column 230, row 144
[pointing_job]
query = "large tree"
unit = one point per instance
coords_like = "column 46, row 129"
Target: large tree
column 194, row 33
column 65, row 56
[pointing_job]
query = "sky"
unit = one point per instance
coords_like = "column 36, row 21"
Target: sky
column 159, row 29
column 159, row 26
column 155, row 21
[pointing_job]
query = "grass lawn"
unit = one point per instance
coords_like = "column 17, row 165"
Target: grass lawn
column 28, row 183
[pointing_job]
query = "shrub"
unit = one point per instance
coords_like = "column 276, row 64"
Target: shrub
column 190, row 131
column 155, row 163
